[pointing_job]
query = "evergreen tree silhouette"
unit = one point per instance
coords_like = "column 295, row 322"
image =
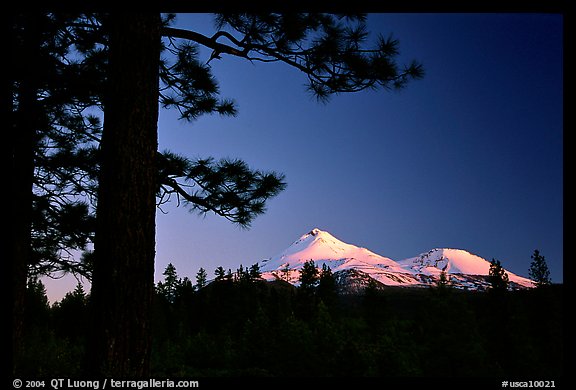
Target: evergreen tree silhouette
column 37, row 307
column 254, row 273
column 201, row 279
column 169, row 288
column 309, row 278
column 327, row 288
column 71, row 315
column 497, row 277
column 220, row 274
column 51, row 147
column 539, row 271
column 306, row 296
column 443, row 284
column 286, row 273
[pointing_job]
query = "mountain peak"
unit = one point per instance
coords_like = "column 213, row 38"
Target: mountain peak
column 322, row 247
column 315, row 231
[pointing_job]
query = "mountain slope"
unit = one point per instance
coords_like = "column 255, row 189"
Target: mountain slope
column 465, row 270
column 324, row 248
column 456, row 262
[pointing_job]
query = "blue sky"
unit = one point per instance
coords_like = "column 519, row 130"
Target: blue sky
column 469, row 157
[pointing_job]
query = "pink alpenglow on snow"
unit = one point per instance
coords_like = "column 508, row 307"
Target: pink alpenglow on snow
column 464, row 269
column 455, row 261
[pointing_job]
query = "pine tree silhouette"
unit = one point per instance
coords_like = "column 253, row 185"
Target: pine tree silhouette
column 497, row 277
column 539, row 271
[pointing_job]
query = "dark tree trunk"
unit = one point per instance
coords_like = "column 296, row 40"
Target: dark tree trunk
column 123, row 278
column 25, row 119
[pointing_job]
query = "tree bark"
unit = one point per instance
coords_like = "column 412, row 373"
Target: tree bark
column 123, row 277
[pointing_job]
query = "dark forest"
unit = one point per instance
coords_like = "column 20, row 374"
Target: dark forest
column 239, row 325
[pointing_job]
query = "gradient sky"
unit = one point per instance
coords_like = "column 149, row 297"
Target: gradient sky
column 469, row 157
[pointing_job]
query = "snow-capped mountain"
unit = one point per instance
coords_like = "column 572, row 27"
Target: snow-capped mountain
column 462, row 268
column 354, row 265
column 324, row 248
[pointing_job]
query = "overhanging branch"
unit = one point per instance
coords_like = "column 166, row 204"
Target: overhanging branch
column 203, row 40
